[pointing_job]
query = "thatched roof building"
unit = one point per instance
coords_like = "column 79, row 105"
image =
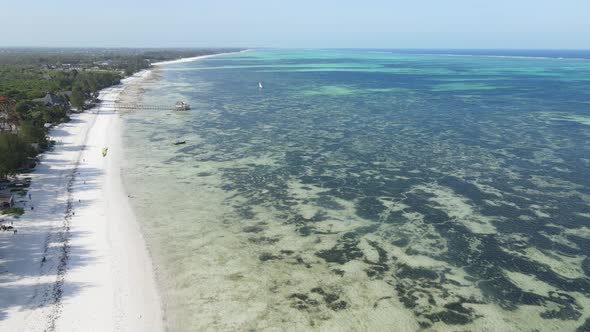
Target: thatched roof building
column 52, row 99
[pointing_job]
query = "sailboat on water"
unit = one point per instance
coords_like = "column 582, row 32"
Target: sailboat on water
column 260, row 85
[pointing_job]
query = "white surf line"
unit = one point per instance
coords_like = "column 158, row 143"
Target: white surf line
column 191, row 59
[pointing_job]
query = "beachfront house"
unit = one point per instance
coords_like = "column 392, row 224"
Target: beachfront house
column 5, row 125
column 6, row 201
column 52, row 99
column 66, row 95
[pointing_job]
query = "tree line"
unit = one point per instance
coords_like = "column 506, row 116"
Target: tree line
column 24, row 120
column 73, row 75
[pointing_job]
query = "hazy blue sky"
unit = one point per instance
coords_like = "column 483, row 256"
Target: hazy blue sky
column 301, row 23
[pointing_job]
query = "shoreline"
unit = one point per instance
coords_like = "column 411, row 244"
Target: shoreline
column 183, row 60
column 79, row 258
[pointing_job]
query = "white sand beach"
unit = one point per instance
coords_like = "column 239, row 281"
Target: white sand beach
column 79, row 261
column 192, row 58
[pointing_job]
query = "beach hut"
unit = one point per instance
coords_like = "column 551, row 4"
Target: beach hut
column 51, row 100
column 6, row 104
column 182, row 106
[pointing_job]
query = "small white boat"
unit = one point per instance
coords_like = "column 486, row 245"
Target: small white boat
column 260, row 85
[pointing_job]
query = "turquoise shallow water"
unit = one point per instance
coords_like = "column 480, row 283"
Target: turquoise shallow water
column 363, row 190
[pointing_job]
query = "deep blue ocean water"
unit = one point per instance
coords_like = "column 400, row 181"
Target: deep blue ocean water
column 369, row 189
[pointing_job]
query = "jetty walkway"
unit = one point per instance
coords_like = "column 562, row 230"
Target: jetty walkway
column 137, row 107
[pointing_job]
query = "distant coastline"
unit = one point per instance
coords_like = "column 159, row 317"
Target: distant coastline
column 195, row 58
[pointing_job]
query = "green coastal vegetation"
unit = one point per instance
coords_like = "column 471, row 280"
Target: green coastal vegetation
column 17, row 211
column 41, row 87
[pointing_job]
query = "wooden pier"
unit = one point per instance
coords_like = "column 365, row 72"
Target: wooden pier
column 137, row 107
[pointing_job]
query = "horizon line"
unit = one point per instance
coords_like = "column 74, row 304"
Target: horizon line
column 293, row 48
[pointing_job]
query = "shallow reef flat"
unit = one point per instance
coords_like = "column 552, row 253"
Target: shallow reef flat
column 368, row 192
